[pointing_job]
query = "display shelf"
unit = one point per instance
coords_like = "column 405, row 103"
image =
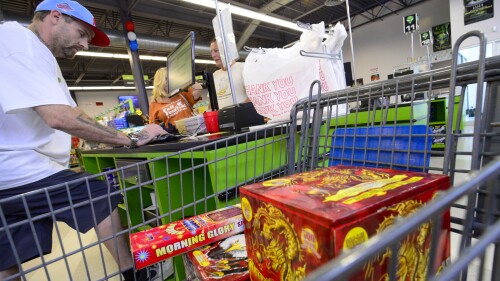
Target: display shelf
column 136, row 200
column 401, row 113
column 419, row 112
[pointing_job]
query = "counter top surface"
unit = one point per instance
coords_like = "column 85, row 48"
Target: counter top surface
column 207, row 141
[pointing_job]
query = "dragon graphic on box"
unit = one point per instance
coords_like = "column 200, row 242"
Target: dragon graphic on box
column 414, row 251
column 278, row 242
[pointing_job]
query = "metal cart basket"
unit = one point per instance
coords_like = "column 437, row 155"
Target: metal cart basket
column 363, row 126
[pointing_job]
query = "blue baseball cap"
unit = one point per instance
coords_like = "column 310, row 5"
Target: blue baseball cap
column 79, row 12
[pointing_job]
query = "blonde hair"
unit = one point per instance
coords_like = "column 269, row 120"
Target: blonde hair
column 159, row 83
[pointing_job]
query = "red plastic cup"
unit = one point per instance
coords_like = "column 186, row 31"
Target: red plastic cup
column 211, row 121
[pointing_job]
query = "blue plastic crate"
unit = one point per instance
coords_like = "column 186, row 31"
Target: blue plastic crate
column 382, row 146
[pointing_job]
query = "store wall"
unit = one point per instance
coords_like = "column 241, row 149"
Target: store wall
column 87, row 100
column 491, row 26
column 383, row 44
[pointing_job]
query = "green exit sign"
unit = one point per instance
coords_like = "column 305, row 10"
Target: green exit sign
column 410, row 23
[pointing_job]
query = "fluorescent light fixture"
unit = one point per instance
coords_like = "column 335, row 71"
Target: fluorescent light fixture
column 145, row 57
column 142, row 57
column 247, row 13
column 200, row 61
column 102, row 88
column 94, row 54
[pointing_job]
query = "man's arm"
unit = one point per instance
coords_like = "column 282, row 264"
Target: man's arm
column 75, row 122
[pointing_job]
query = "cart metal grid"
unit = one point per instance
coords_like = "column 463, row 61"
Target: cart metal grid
column 475, row 199
column 211, row 174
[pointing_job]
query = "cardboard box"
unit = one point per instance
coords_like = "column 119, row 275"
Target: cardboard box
column 224, row 260
column 295, row 224
column 162, row 242
column 189, row 269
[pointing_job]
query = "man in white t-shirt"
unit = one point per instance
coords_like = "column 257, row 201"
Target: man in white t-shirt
column 37, row 118
column 221, row 79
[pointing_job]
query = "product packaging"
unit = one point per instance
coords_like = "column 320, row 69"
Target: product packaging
column 224, row 260
column 162, row 242
column 295, row 224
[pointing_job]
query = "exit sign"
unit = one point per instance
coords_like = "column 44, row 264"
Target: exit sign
column 410, row 23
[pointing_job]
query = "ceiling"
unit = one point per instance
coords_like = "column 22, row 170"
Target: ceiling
column 161, row 24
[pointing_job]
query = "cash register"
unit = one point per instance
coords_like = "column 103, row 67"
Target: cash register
column 239, row 117
column 235, row 117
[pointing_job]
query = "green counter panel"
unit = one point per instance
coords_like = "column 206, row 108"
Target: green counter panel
column 200, row 174
column 186, row 183
column 237, row 165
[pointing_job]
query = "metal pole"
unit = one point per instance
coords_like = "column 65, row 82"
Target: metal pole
column 350, row 39
column 228, row 63
column 428, row 57
column 412, row 51
column 135, row 62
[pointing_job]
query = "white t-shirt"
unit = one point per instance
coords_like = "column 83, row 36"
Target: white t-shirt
column 29, row 76
column 223, row 88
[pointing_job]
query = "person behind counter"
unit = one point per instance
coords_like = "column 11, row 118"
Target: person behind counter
column 221, row 79
column 38, row 116
column 164, row 109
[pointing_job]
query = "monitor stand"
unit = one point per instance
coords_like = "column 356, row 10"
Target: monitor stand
column 212, row 94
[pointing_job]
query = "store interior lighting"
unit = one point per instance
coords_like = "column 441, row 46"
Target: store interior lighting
column 102, row 88
column 121, row 56
column 125, row 56
column 247, row 13
column 205, row 3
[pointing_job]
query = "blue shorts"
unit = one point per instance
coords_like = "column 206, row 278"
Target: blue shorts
column 33, row 208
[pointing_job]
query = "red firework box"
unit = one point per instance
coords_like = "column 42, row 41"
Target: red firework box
column 162, row 242
column 224, row 260
column 295, row 224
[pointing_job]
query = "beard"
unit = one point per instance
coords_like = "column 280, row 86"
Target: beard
column 64, row 47
column 68, row 52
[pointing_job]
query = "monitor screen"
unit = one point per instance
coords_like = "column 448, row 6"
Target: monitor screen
column 180, row 66
column 124, row 100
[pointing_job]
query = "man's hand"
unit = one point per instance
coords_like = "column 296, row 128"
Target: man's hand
column 75, row 122
column 148, row 133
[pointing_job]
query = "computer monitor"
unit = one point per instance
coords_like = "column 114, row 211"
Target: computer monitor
column 125, row 100
column 180, row 66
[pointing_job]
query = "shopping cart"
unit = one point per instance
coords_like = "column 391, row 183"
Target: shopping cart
column 347, row 127
column 359, row 139
column 157, row 190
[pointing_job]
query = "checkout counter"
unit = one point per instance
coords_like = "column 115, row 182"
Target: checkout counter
column 190, row 175
column 216, row 164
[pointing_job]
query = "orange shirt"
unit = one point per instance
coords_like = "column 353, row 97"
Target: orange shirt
column 175, row 109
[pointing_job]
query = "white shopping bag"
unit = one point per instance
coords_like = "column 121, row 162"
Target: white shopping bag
column 277, row 78
column 333, row 45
